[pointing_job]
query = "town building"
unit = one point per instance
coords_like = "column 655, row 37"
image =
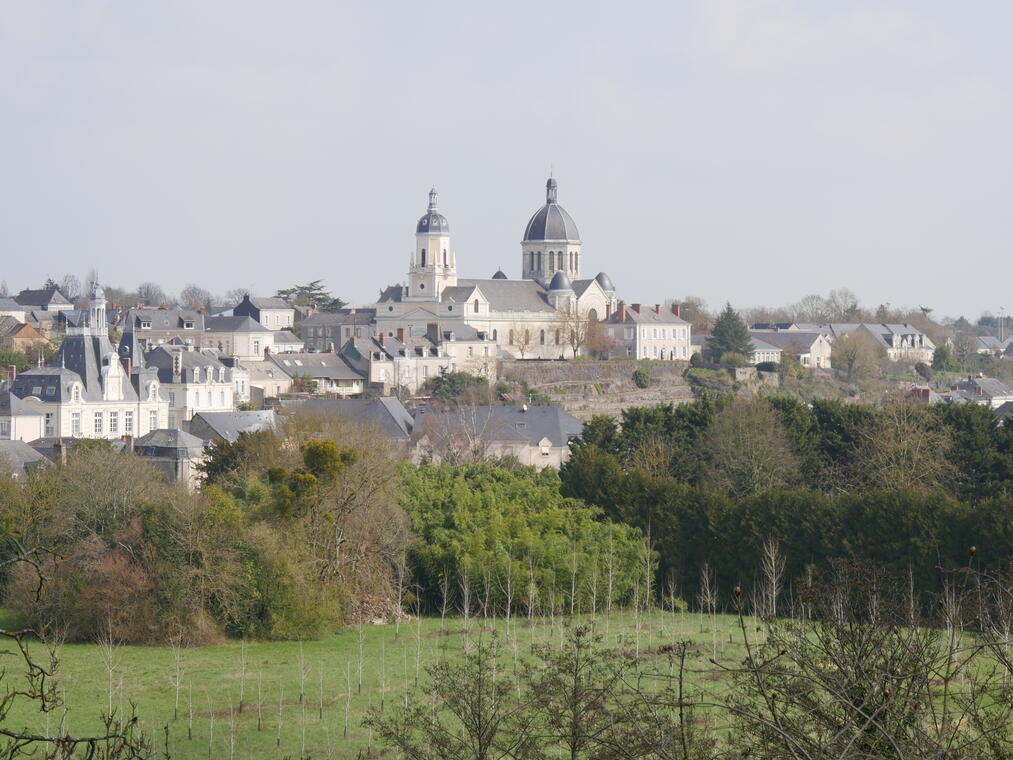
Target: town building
column 176, row 453
column 328, row 330
column 320, row 373
column 89, row 391
column 812, row 349
column 18, row 336
column 272, row 313
column 228, row 426
column 645, row 333
column 526, row 318
column 192, row 381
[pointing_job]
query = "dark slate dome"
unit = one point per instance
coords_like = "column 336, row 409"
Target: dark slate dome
column 433, row 221
column 551, row 221
column 605, row 281
column 560, row 282
column 499, row 275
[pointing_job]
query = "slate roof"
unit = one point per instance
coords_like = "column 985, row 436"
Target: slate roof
column 9, row 304
column 12, row 406
column 507, row 423
column 988, row 387
column 19, row 456
column 329, row 366
column 1004, row 410
column 789, row 340
column 162, row 442
column 44, row 297
column 511, row 295
column 228, row 425
column 328, row 318
column 160, row 359
column 387, row 415
column 762, row 345
column 234, row 325
column 269, row 302
column 283, row 337
column 551, row 221
column 647, row 316
column 162, row 319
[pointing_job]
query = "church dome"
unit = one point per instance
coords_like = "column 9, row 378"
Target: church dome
column 433, row 221
column 606, row 282
column 551, row 221
column 499, row 275
column 560, row 282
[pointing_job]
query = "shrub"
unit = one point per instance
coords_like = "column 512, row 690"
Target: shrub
column 641, row 378
column 924, row 370
column 732, row 359
column 767, row 367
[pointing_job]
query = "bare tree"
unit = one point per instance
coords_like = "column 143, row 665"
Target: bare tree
column 857, row 354
column 522, row 337
column 70, row 286
column 195, row 297
column 577, row 327
column 772, row 566
column 151, row 293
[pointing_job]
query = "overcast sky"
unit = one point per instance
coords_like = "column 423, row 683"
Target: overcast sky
column 743, row 151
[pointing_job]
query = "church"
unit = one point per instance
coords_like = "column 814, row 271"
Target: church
column 534, row 316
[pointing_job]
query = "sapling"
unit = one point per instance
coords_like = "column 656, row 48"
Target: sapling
column 320, row 678
column 361, row 637
column 260, row 701
column 242, row 673
column 211, row 724
column 348, row 696
column 189, row 710
column 281, row 704
column 176, row 643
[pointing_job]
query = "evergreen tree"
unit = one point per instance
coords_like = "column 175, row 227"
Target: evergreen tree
column 730, row 335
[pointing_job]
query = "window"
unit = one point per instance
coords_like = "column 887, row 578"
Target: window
column 476, row 306
column 5, row 429
column 153, row 420
column 75, row 395
column 471, row 351
column 485, row 350
column 172, row 398
column 425, row 371
column 423, row 259
column 75, row 423
column 557, row 337
column 114, row 423
column 188, row 325
column 145, row 324
column 256, row 347
column 128, row 423
column 221, row 398
column 511, row 337
column 541, row 337
column 50, row 426
column 98, row 423
column 494, row 335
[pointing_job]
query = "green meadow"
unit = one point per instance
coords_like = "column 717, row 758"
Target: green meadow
column 307, row 699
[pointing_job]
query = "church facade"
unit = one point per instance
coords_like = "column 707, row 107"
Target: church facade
column 540, row 315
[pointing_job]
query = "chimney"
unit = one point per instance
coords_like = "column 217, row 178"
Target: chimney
column 60, row 451
column 433, row 332
column 400, row 334
column 608, row 310
column 635, row 307
column 12, row 372
column 267, row 352
column 382, row 339
column 657, row 308
column 126, row 365
column 622, row 311
column 677, row 310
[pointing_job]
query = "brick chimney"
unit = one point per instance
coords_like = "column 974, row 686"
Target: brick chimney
column 400, row 334
column 126, row 365
column 677, row 310
column 657, row 308
column 382, row 339
column 622, row 311
column 12, row 372
column 635, row 307
column 608, row 310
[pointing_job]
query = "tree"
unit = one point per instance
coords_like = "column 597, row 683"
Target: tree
column 577, row 327
column 311, row 294
column 842, row 306
column 943, row 359
column 470, row 710
column 521, row 337
column 812, row 308
column 730, row 335
column 70, row 286
column 694, row 311
column 151, row 294
column 235, row 296
column 195, row 297
column 18, row 359
column 748, row 450
column 857, row 354
column 459, row 386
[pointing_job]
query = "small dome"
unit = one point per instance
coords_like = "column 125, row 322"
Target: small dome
column 551, row 221
column 499, row 275
column 433, row 221
column 606, row 282
column 560, row 282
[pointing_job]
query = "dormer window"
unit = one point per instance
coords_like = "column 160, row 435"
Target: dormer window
column 75, row 393
column 188, row 324
column 145, row 324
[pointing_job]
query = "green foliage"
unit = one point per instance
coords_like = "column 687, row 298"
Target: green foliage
column 924, row 371
column 729, row 336
column 10, row 357
column 734, row 359
column 304, row 384
column 768, row 367
column 309, row 294
column 943, row 359
column 451, row 386
column 488, row 525
column 641, row 378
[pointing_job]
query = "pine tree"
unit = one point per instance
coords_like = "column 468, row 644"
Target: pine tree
column 730, row 335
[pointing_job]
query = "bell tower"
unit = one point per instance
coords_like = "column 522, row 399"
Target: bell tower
column 433, row 265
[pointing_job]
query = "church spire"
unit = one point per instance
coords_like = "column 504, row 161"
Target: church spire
column 433, row 198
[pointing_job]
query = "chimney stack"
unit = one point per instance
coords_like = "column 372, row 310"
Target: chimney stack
column 382, row 339
column 657, row 308
column 433, row 331
column 635, row 307
column 677, row 310
column 126, row 365
column 622, row 311
column 61, row 452
column 12, row 372
column 400, row 334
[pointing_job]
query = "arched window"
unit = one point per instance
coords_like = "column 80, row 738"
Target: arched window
column 552, row 260
column 495, row 334
column 476, row 306
column 444, row 257
column 527, row 337
column 423, row 257
column 557, row 337
column 541, row 337
column 511, row 337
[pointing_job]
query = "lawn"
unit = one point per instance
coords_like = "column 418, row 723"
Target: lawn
column 292, row 699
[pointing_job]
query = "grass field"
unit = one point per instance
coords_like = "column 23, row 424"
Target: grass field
column 337, row 684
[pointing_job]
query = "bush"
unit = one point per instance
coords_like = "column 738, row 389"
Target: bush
column 696, row 360
column 924, row 370
column 732, row 359
column 641, row 378
column 767, row 367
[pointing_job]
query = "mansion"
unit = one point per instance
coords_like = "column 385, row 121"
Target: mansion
column 526, row 318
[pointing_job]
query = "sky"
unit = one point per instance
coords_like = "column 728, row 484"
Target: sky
column 749, row 151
